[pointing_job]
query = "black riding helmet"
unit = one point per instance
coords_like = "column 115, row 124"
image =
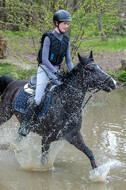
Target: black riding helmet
column 61, row 16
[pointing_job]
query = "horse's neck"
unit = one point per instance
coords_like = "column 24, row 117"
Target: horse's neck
column 75, row 84
column 73, row 93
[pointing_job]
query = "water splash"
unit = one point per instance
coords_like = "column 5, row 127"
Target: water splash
column 28, row 153
column 100, row 174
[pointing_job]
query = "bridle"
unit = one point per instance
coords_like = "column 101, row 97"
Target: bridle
column 101, row 85
column 92, row 91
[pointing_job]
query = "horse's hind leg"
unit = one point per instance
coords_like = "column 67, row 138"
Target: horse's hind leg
column 5, row 113
column 78, row 142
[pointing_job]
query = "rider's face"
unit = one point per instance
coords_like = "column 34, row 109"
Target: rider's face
column 63, row 26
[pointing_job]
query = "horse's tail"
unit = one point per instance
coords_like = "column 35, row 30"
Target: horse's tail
column 4, row 82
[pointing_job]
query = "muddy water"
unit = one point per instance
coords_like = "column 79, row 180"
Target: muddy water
column 104, row 131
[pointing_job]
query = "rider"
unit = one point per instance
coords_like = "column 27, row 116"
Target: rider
column 55, row 47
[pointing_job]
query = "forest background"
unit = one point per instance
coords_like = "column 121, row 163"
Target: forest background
column 97, row 25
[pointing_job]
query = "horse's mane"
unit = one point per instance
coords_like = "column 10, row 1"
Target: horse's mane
column 67, row 75
column 84, row 61
column 4, row 82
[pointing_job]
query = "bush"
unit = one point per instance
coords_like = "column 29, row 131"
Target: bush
column 15, row 71
column 122, row 77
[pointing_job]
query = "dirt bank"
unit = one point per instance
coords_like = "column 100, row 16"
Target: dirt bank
column 111, row 60
column 108, row 61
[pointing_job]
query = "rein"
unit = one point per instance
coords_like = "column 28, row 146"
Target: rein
column 89, row 98
column 44, row 70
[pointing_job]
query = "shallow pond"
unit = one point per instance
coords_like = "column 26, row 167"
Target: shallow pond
column 104, row 131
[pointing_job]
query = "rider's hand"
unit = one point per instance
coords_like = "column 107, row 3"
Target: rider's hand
column 58, row 74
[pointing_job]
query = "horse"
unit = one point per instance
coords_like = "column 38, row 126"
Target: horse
column 64, row 116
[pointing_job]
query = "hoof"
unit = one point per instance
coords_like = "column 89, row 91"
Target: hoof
column 94, row 164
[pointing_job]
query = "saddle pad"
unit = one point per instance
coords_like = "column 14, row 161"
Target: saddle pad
column 21, row 103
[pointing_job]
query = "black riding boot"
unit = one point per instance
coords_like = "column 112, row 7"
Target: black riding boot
column 26, row 124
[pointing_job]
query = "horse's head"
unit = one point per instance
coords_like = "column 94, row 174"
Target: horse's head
column 97, row 78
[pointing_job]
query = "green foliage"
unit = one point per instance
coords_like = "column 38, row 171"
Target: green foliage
column 29, row 19
column 18, row 34
column 122, row 77
column 111, row 73
column 16, row 71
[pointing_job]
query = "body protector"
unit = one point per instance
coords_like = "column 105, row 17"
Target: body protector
column 58, row 49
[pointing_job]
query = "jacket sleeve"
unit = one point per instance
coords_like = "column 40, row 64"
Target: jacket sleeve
column 45, row 55
column 68, row 58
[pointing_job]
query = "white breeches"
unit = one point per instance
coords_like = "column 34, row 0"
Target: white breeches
column 42, row 81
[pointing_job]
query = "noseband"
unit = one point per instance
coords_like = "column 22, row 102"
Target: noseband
column 101, row 85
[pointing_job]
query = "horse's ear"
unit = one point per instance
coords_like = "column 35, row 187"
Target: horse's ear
column 80, row 58
column 91, row 55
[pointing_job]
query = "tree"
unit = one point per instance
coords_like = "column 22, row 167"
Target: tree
column 91, row 18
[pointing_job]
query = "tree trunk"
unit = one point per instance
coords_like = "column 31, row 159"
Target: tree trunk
column 3, row 47
column 75, row 5
column 101, row 28
column 3, row 15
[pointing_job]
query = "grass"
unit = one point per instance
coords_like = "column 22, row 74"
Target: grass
column 122, row 77
column 15, row 71
column 112, row 44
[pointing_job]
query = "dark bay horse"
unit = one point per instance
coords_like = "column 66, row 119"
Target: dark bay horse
column 64, row 117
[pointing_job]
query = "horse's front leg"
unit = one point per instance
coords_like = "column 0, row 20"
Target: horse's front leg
column 78, row 142
column 45, row 150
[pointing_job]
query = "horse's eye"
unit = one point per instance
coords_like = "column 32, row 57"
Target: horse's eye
column 90, row 67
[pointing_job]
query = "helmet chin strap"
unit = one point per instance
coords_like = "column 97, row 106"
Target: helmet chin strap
column 59, row 29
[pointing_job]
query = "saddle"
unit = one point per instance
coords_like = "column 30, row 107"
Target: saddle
column 27, row 95
column 31, row 86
